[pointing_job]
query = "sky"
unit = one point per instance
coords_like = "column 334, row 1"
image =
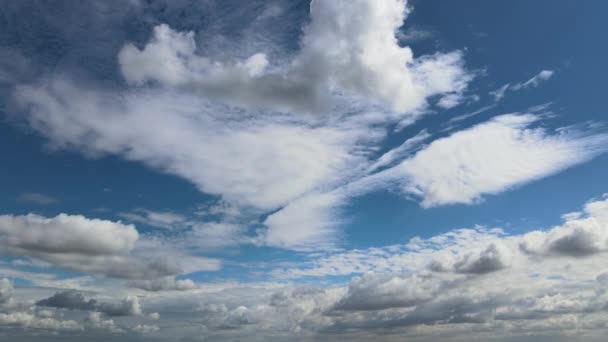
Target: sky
column 325, row 170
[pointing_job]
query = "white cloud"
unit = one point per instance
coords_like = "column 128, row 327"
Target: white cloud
column 489, row 287
column 499, row 93
column 535, row 81
column 160, row 219
column 349, row 46
column 494, row 156
column 96, row 320
column 264, row 161
column 306, row 223
column 30, row 321
column 581, row 235
column 94, row 246
column 66, row 234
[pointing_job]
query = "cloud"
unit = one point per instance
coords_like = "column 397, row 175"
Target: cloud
column 489, row 288
column 535, row 81
column 368, row 62
column 160, row 219
column 377, row 292
column 6, row 292
column 96, row 320
column 93, row 246
column 499, row 93
column 36, row 198
column 581, row 235
column 306, row 223
column 258, row 161
column 400, row 152
column 28, row 320
column 494, row 156
column 74, row 300
column 493, row 258
column 66, row 234
column 165, row 284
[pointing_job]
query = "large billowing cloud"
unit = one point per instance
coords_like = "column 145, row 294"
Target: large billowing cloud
column 348, row 47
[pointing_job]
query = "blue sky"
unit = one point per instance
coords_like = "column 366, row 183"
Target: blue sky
column 314, row 171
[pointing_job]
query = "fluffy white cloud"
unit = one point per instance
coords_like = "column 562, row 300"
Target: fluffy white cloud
column 494, row 156
column 581, row 235
column 348, row 47
column 66, row 234
column 28, row 320
column 92, row 245
column 353, row 44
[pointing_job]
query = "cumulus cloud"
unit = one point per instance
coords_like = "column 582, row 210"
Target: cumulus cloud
column 494, row 156
column 91, row 245
column 495, row 257
column 349, row 46
column 581, row 235
column 66, row 234
column 488, row 286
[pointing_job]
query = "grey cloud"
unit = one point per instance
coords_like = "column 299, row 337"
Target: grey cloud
column 377, row 292
column 74, row 300
column 493, row 258
column 6, row 292
column 165, row 284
